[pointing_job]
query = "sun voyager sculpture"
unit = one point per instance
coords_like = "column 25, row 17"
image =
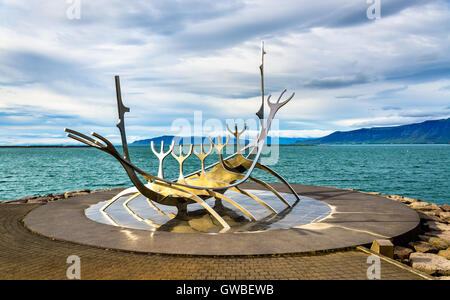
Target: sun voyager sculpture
column 208, row 182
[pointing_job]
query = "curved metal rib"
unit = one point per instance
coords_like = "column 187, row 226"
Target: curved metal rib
column 144, row 190
column 221, row 172
column 237, row 189
column 139, row 218
column 220, row 196
column 211, row 211
column 118, row 196
column 270, row 188
column 129, row 210
column 158, row 210
column 272, row 172
column 130, row 168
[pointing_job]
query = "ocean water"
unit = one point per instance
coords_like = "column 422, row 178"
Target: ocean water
column 418, row 171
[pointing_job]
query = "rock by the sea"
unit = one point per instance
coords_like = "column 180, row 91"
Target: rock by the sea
column 402, row 253
column 58, row 196
column 76, row 193
column 445, row 216
column 40, row 200
column 445, row 253
column 425, row 247
column 443, row 244
column 404, row 200
column 429, row 217
column 429, row 263
column 18, row 201
column 410, row 200
column 424, row 206
column 444, row 235
column 437, row 226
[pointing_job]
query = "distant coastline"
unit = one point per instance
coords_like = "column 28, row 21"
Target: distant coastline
column 44, row 146
column 130, row 145
column 281, row 145
column 427, row 132
column 431, row 132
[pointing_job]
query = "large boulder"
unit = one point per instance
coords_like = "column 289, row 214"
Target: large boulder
column 58, row 196
column 445, row 253
column 76, row 193
column 40, row 200
column 396, row 197
column 443, row 244
column 437, row 226
column 445, row 216
column 444, row 235
column 429, row 263
column 421, row 246
column 402, row 253
column 404, row 200
column 410, row 200
column 445, row 207
column 18, row 201
column 434, row 213
column 429, row 217
column 372, row 193
column 424, row 206
column 97, row 191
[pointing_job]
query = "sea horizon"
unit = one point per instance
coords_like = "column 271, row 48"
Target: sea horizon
column 283, row 145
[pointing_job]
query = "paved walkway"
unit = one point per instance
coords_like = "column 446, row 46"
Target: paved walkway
column 25, row 255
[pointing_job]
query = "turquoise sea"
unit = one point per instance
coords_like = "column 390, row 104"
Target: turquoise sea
column 419, row 171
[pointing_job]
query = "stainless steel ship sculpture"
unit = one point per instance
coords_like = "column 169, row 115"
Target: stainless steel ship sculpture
column 209, row 182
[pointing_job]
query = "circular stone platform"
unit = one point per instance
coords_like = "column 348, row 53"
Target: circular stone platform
column 354, row 219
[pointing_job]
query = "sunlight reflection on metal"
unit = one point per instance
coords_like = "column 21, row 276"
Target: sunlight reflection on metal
column 307, row 211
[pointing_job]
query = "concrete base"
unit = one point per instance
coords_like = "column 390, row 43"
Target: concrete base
column 357, row 219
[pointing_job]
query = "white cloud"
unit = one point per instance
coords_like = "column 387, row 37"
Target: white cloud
column 178, row 57
column 313, row 133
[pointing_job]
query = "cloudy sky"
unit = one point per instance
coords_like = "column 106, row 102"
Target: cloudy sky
column 178, row 57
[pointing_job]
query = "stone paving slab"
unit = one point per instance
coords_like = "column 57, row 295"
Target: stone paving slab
column 25, row 255
column 357, row 219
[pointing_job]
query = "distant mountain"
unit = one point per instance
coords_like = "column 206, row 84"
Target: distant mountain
column 428, row 132
column 197, row 140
